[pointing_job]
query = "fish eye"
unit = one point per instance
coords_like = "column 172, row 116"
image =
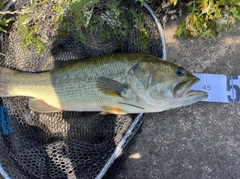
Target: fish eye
column 180, row 71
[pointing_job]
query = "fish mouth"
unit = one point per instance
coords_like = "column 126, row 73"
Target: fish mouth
column 190, row 92
column 183, row 89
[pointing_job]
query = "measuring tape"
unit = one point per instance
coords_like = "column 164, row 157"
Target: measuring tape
column 220, row 88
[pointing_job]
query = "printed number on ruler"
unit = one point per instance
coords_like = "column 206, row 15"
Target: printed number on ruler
column 206, row 87
column 220, row 88
column 233, row 86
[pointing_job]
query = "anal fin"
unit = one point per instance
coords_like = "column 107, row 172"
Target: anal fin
column 40, row 106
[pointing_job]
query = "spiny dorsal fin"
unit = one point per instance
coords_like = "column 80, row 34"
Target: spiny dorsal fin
column 40, row 106
column 110, row 87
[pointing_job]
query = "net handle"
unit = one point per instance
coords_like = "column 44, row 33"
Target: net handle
column 119, row 149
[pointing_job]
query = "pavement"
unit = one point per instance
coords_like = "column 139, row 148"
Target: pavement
column 199, row 141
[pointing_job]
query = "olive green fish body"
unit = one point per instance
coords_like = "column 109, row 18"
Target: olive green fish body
column 75, row 84
column 116, row 83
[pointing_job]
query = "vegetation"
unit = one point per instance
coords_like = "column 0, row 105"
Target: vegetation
column 207, row 18
column 4, row 22
column 86, row 16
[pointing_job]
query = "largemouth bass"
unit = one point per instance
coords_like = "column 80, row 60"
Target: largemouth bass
column 118, row 83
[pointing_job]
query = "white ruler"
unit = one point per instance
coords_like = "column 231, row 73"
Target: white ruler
column 220, row 88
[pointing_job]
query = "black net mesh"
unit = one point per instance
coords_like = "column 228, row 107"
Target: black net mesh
column 68, row 144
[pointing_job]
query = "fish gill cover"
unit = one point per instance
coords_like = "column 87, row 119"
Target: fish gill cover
column 45, row 34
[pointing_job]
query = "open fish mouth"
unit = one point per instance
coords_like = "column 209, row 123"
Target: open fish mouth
column 198, row 93
column 183, row 89
column 190, row 92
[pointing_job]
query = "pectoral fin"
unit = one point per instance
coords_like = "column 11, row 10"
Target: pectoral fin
column 40, row 106
column 110, row 87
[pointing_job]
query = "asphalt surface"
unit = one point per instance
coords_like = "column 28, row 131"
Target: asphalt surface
column 200, row 141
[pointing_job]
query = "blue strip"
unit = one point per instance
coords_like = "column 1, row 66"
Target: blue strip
column 5, row 121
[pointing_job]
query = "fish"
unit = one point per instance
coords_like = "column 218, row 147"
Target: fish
column 119, row 83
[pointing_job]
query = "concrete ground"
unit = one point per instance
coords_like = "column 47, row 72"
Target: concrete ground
column 199, row 141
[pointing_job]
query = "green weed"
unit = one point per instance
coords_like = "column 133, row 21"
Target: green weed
column 4, row 22
column 207, row 18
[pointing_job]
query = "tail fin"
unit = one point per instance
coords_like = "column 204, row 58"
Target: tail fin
column 5, row 77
